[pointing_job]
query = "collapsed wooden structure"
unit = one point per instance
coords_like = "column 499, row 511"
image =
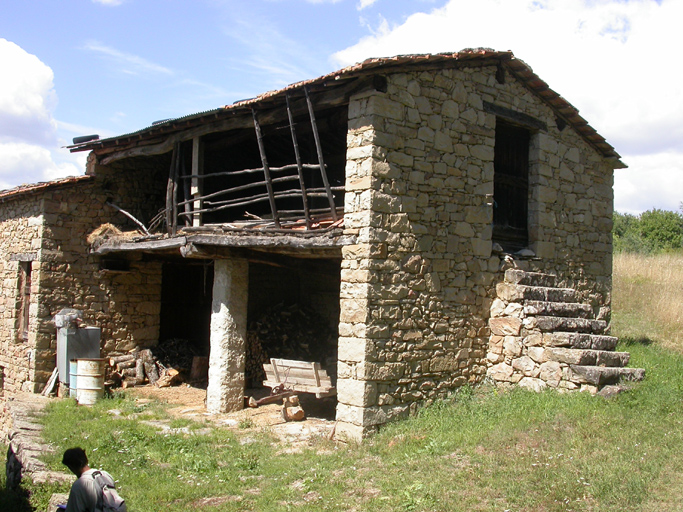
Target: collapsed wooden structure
column 271, row 184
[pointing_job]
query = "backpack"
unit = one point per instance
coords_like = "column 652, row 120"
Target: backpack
column 109, row 500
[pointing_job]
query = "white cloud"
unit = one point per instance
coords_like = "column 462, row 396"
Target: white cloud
column 27, row 163
column 612, row 59
column 365, row 3
column 651, row 181
column 29, row 145
column 129, row 63
column 108, row 3
column 269, row 52
column 27, row 97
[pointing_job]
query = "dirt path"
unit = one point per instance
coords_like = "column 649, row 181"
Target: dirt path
column 189, row 402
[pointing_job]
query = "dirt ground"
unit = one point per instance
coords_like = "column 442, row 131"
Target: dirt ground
column 190, row 403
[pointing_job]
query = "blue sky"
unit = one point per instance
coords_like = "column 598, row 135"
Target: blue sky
column 110, row 67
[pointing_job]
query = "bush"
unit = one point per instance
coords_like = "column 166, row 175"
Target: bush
column 653, row 231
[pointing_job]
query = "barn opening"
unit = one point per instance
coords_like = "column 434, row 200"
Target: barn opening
column 185, row 314
column 293, row 313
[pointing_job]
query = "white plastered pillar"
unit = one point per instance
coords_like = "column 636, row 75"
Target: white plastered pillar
column 225, row 392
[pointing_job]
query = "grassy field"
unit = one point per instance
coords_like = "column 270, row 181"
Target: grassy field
column 482, row 450
column 648, row 298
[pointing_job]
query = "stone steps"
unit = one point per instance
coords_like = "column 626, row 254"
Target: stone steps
column 581, row 357
column 564, row 309
column 578, row 340
column 516, row 276
column 559, row 341
column 603, row 375
column 520, row 293
column 565, row 324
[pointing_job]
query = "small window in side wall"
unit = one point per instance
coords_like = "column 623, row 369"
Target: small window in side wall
column 511, row 186
column 23, row 299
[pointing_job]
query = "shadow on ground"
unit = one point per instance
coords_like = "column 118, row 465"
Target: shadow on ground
column 14, row 500
column 636, row 340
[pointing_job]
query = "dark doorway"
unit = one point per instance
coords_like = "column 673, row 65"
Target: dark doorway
column 186, row 294
column 511, row 186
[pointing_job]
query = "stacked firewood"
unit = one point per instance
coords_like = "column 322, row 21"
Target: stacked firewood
column 288, row 332
column 177, row 353
column 140, row 367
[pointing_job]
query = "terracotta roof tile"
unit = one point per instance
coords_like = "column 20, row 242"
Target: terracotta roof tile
column 475, row 56
column 33, row 188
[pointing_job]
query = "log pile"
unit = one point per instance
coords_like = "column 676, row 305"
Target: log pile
column 165, row 365
column 176, row 353
column 289, row 332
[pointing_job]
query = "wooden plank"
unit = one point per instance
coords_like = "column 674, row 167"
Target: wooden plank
column 301, row 376
column 299, row 164
column 311, row 380
column 289, row 167
column 317, row 374
column 273, row 365
column 293, row 375
column 197, row 170
column 169, row 191
column 169, row 243
column 321, row 391
column 174, row 197
column 51, row 382
column 319, row 148
column 293, row 363
column 239, row 188
column 266, row 170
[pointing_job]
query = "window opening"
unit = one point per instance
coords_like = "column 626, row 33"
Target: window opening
column 24, row 296
column 511, row 186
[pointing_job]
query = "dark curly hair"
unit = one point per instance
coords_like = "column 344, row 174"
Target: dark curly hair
column 75, row 459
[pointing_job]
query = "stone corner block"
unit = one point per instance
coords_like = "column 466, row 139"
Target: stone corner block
column 504, row 326
column 356, row 392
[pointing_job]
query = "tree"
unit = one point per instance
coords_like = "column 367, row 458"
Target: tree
column 652, row 231
column 663, row 229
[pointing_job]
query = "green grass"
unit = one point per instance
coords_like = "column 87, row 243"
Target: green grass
column 482, row 450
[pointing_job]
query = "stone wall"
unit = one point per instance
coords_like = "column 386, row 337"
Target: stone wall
column 21, row 225
column 417, row 288
column 21, row 431
column 54, row 225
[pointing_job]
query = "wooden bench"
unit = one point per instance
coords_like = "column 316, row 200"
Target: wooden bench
column 300, row 376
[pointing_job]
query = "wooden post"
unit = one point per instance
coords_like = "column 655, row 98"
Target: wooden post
column 266, row 170
column 187, row 218
column 299, row 165
column 169, row 191
column 174, row 196
column 321, row 160
column 197, row 170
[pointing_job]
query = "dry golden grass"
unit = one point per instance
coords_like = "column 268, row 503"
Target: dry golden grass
column 648, row 298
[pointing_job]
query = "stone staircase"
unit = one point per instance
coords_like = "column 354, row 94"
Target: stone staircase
column 543, row 336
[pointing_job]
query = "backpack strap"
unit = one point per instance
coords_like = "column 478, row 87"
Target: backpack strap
column 100, row 484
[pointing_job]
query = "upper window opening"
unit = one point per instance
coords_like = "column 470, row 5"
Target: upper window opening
column 24, row 299
column 511, row 186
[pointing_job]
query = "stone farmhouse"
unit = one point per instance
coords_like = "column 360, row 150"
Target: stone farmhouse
column 449, row 217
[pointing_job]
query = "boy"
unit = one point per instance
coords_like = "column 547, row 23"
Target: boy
column 85, row 493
